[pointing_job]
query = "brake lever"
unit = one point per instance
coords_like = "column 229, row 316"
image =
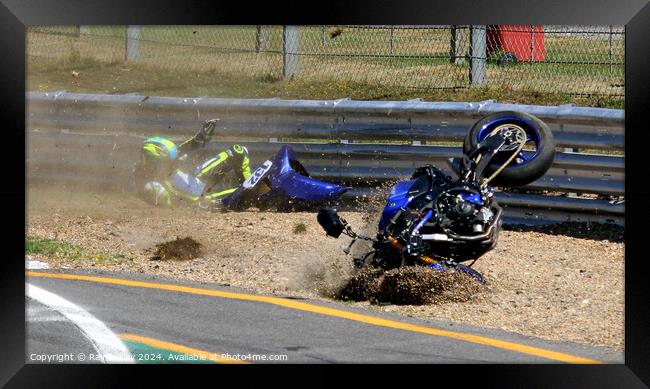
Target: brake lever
column 347, row 249
column 355, row 237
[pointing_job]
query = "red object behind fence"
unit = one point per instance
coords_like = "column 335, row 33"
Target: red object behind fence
column 524, row 41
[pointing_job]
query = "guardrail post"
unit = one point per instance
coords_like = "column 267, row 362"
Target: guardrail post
column 132, row 51
column 290, row 51
column 478, row 57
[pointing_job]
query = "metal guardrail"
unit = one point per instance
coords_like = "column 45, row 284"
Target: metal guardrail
column 77, row 137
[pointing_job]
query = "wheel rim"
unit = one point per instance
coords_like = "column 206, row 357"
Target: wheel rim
column 533, row 139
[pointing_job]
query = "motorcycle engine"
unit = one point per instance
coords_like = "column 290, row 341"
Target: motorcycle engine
column 464, row 212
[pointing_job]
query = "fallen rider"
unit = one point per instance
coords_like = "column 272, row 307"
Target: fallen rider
column 167, row 174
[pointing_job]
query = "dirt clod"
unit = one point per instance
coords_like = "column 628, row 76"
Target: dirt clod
column 363, row 286
column 412, row 285
column 178, row 249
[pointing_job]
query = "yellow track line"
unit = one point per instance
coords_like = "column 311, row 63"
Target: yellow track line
column 177, row 348
column 292, row 304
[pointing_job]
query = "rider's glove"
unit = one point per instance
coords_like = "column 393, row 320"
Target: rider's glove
column 204, row 135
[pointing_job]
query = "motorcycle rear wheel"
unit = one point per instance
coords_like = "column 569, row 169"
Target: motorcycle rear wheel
column 532, row 164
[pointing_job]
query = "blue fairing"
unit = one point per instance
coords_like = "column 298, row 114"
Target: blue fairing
column 398, row 198
column 298, row 186
column 286, row 181
column 474, row 198
column 290, row 183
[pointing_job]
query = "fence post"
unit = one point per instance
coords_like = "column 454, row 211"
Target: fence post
column 611, row 32
column 477, row 55
column 290, row 50
column 261, row 39
column 392, row 39
column 132, row 52
column 532, row 43
column 456, row 55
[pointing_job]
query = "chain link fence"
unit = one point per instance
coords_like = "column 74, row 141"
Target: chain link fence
column 575, row 60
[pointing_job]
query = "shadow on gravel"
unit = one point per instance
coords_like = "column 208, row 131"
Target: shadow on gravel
column 411, row 285
column 584, row 230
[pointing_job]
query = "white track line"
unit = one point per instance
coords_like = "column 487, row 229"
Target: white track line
column 31, row 264
column 36, row 265
column 108, row 345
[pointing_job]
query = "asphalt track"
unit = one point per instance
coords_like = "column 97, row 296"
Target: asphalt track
column 184, row 320
column 48, row 330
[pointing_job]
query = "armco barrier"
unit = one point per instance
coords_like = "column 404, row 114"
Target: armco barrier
column 94, row 138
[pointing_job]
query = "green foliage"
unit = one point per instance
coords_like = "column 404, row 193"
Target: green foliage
column 64, row 250
column 299, row 228
column 50, row 247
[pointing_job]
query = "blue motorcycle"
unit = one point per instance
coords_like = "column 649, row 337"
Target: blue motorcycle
column 437, row 221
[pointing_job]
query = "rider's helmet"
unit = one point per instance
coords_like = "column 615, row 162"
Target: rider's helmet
column 157, row 147
column 158, row 155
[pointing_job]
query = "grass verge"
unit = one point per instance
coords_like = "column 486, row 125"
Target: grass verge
column 52, row 248
column 89, row 76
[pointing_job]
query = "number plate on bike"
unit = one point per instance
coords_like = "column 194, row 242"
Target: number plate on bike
column 257, row 175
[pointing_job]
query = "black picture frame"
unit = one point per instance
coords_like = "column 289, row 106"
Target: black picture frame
column 16, row 14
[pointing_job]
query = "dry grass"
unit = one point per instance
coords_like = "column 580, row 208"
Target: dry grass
column 122, row 78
